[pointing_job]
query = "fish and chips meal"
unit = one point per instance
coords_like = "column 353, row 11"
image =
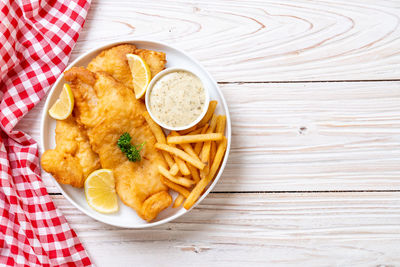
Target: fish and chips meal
column 110, row 144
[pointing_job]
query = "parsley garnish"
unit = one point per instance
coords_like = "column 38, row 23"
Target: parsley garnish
column 131, row 151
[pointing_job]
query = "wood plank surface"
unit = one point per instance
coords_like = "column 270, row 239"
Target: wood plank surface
column 261, row 40
column 329, row 229
column 304, row 136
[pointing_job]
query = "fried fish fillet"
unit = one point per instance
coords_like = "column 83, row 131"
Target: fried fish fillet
column 156, row 60
column 73, row 159
column 107, row 109
column 114, row 62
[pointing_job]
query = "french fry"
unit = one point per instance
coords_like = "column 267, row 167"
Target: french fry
column 180, row 189
column 181, row 154
column 201, row 149
column 219, row 128
column 195, row 173
column 204, row 172
column 213, row 150
column 213, row 124
column 221, row 122
column 182, row 166
column 174, row 169
column 168, row 159
column 178, row 201
column 155, row 128
column 205, row 128
column 210, row 130
column 219, row 155
column 200, row 186
column 193, row 128
column 178, row 180
column 205, row 158
column 205, row 152
column 198, row 146
column 189, row 149
column 184, row 139
column 186, row 147
column 159, row 135
column 196, row 131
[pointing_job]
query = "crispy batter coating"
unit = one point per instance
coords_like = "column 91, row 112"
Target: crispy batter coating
column 73, row 159
column 114, row 62
column 107, row 109
column 156, row 60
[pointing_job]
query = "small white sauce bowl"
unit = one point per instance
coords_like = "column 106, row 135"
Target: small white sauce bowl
column 150, row 87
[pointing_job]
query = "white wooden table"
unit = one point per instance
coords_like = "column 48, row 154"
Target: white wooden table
column 313, row 177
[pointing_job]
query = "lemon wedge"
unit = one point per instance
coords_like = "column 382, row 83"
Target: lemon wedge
column 64, row 104
column 141, row 74
column 100, row 191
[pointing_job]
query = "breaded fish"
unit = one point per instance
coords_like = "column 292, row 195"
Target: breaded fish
column 114, row 62
column 156, row 60
column 73, row 159
column 107, row 109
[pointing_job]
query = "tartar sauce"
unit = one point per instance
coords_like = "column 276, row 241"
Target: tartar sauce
column 177, row 98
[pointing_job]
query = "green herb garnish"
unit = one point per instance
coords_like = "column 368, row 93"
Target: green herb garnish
column 131, row 151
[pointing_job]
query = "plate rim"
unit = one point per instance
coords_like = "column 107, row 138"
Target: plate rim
column 228, row 131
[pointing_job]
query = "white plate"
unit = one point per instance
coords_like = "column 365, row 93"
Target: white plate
column 126, row 216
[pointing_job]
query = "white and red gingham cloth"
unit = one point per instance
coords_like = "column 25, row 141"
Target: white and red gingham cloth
column 36, row 39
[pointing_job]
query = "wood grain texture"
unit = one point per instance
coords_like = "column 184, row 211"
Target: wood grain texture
column 304, row 136
column 261, row 40
column 331, row 229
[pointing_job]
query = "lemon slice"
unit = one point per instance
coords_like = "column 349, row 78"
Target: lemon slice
column 64, row 104
column 141, row 74
column 100, row 191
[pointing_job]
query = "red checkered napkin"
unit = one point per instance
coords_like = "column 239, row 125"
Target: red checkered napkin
column 36, row 39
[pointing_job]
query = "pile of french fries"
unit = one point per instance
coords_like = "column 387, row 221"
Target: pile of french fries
column 193, row 155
